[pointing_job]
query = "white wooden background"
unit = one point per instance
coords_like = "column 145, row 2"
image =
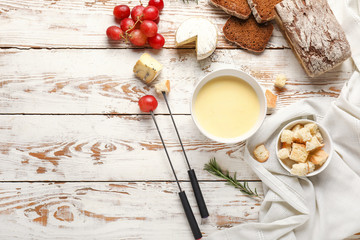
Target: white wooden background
column 77, row 158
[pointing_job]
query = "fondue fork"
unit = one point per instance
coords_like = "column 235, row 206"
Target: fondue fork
column 184, row 201
column 194, row 182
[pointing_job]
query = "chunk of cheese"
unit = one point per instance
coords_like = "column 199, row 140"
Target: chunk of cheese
column 147, row 68
column 200, row 30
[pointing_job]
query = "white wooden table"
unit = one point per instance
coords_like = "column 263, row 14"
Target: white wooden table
column 77, row 158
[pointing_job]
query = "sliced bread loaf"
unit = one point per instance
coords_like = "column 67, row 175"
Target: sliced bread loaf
column 263, row 10
column 237, row 8
column 248, row 34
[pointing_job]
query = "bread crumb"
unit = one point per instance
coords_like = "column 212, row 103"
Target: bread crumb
column 287, row 136
column 299, row 153
column 302, row 169
column 318, row 157
column 283, row 153
column 261, row 153
column 271, row 101
column 162, row 87
column 280, row 81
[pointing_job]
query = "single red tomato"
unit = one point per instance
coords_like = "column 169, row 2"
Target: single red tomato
column 150, row 13
column 114, row 33
column 121, row 11
column 126, row 24
column 137, row 13
column 159, row 4
column 149, row 28
column 157, row 41
column 137, row 37
column 148, row 103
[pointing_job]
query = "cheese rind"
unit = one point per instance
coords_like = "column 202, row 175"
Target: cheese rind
column 200, row 30
column 147, row 68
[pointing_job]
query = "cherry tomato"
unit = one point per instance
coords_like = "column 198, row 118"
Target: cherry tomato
column 159, row 4
column 137, row 37
column 150, row 13
column 137, row 13
column 149, row 28
column 121, row 11
column 114, row 33
column 148, row 103
column 126, row 24
column 157, row 41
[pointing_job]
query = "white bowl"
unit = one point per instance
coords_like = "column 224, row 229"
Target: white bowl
column 247, row 78
column 328, row 145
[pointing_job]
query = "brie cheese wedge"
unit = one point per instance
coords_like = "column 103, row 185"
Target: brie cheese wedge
column 200, row 30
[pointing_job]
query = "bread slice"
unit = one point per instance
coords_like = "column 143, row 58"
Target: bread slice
column 263, row 10
column 261, row 153
column 248, row 34
column 237, row 8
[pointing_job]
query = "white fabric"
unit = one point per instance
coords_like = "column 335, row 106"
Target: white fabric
column 326, row 206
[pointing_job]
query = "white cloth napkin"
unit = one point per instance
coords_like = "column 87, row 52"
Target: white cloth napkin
column 326, row 206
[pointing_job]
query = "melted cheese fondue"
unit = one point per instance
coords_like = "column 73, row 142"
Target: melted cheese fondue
column 227, row 107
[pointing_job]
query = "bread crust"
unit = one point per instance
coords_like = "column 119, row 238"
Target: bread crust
column 257, row 15
column 231, row 12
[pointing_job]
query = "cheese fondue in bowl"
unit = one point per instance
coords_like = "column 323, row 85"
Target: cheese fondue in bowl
column 228, row 106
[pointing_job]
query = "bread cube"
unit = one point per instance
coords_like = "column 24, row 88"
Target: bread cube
column 287, row 136
column 286, row 145
column 302, row 135
column 271, row 101
column 313, row 144
column 319, row 136
column 297, row 127
column 318, row 157
column 280, row 81
column 261, row 153
column 302, row 169
column 283, row 153
column 162, row 87
column 298, row 152
column 147, row 68
column 312, row 127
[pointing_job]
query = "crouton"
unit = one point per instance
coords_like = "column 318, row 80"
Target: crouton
column 287, row 136
column 261, row 153
column 302, row 169
column 280, row 81
column 286, row 145
column 319, row 136
column 313, row 144
column 302, row 135
column 283, row 153
column 271, row 101
column 298, row 152
column 318, row 157
column 296, row 127
column 162, row 87
column 312, row 127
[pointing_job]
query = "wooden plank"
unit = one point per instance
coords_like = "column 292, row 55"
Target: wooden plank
column 107, row 148
column 102, row 81
column 116, row 210
column 82, row 23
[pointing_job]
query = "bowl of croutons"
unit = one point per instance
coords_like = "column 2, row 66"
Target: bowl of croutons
column 304, row 148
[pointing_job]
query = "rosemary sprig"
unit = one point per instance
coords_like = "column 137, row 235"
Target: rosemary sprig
column 213, row 167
